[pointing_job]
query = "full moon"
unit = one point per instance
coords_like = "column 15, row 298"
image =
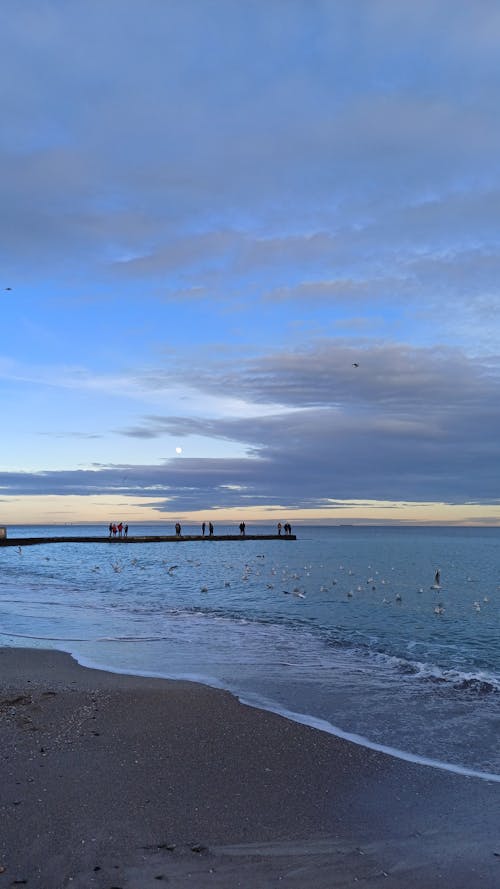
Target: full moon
column 178, row 450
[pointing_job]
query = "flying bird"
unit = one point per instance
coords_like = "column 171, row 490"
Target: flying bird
column 355, row 364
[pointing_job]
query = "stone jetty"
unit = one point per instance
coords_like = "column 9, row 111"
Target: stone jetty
column 122, row 541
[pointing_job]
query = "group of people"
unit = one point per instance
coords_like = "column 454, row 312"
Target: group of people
column 178, row 529
column 204, row 528
column 287, row 528
column 119, row 529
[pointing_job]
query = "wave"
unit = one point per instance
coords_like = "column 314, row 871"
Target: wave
column 478, row 681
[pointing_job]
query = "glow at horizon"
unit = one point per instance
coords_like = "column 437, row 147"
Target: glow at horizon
column 264, row 230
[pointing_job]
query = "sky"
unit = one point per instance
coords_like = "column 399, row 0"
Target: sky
column 250, row 260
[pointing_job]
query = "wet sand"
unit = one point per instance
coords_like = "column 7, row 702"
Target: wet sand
column 119, row 782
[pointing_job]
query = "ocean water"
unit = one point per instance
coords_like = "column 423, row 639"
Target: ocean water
column 342, row 628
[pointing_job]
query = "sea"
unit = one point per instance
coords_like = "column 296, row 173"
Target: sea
column 343, row 629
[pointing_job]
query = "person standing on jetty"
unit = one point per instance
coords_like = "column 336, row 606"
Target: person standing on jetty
column 120, row 529
column 242, row 529
column 279, row 529
column 203, row 526
column 178, row 529
column 110, row 528
column 210, row 529
column 125, row 531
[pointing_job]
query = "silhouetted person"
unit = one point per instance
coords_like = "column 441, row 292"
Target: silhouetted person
column 210, row 529
column 203, row 526
column 177, row 529
column 279, row 529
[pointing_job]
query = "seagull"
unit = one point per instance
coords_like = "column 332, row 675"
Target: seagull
column 355, row 364
column 8, row 288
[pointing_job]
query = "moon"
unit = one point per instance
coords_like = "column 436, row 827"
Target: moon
column 178, row 450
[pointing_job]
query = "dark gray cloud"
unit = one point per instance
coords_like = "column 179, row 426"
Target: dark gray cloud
column 390, row 377
column 406, row 425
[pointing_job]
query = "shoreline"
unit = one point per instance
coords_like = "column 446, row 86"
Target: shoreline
column 306, row 719
column 112, row 779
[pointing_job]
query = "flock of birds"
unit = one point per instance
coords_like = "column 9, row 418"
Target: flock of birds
column 287, row 581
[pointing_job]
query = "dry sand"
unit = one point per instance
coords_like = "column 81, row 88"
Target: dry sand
column 118, row 782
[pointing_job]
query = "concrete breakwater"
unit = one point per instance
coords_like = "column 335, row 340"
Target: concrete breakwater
column 119, row 541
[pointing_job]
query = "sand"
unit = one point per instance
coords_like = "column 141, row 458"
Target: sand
column 119, row 782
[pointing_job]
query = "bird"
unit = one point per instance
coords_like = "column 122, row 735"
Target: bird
column 8, row 288
column 355, row 364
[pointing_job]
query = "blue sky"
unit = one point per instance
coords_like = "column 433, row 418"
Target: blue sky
column 211, row 212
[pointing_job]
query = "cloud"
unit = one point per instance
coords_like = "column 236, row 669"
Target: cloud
column 390, row 376
column 407, row 424
column 146, row 136
column 305, row 166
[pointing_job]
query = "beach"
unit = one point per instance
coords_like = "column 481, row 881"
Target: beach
column 121, row 781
